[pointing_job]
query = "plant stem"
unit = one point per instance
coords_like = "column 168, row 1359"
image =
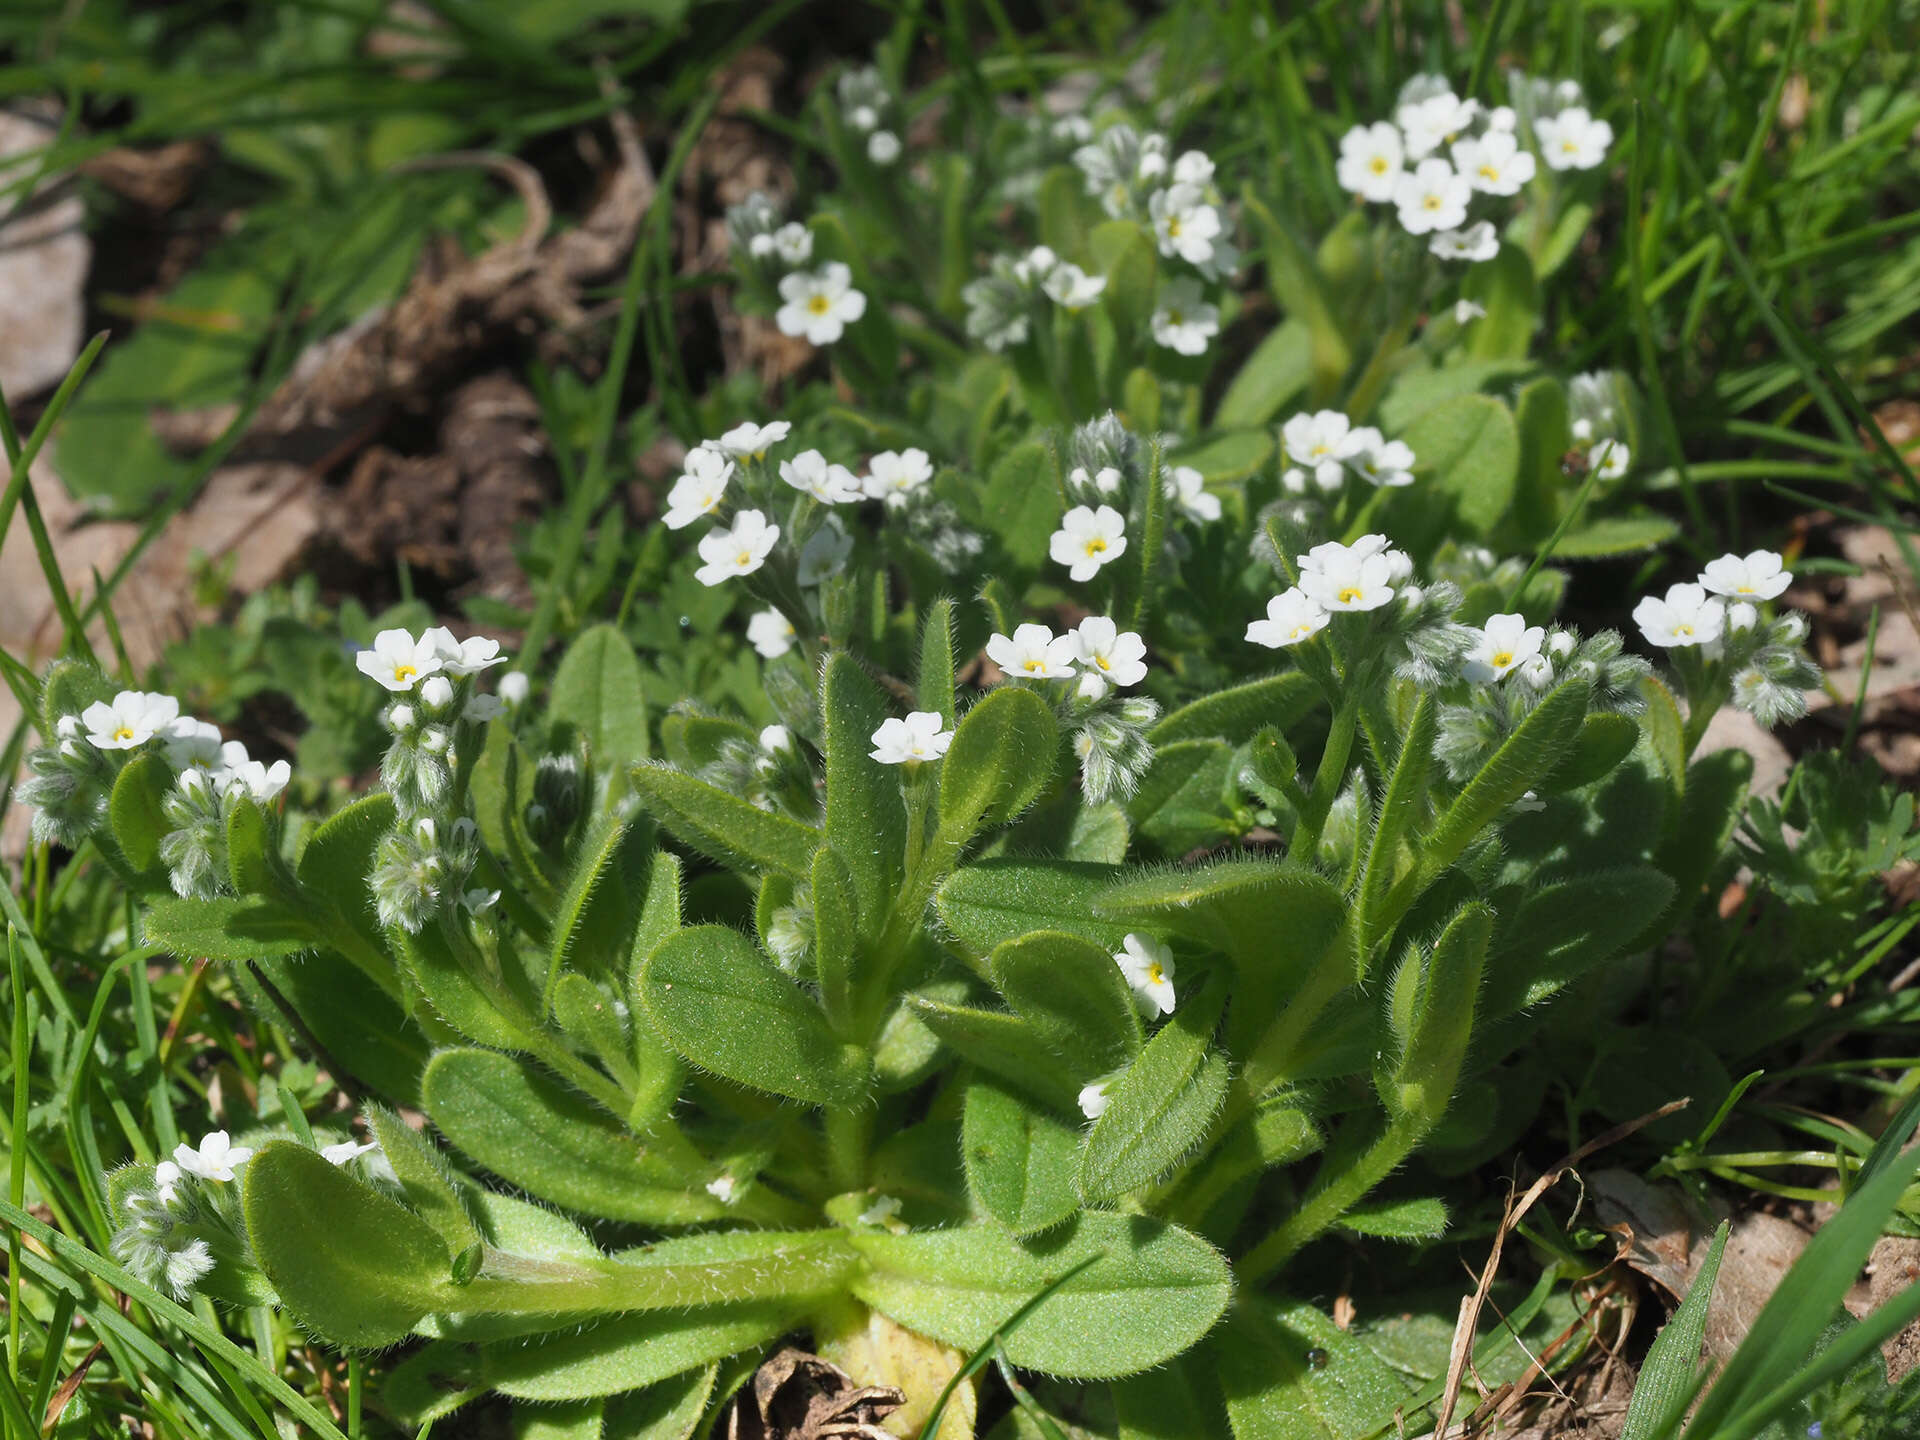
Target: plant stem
column 1366, row 390
column 1332, row 1200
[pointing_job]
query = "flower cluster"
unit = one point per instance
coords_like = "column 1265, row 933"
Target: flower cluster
column 816, row 302
column 1714, row 628
column 867, row 108
column 1593, row 411
column 1332, row 578
column 1109, row 731
column 1324, row 448
column 1002, row 304
column 1440, row 152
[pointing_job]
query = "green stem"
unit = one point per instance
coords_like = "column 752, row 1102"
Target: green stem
column 1328, row 1203
column 1326, row 782
column 849, row 1139
column 1366, row 390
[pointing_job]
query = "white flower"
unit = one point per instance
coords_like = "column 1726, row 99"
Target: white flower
column 347, row 1150
column 770, row 633
column 1370, row 162
column 700, row 489
column 196, row 783
column 1610, row 458
column 1106, row 480
column 1293, row 480
column 1318, row 443
column 1467, row 310
column 397, row 660
column 166, row 1181
column 1148, row 966
column 216, row 1159
column 1435, row 121
column 775, row 738
column 1183, row 322
column 259, row 781
column 514, row 686
column 1503, row 642
column 1474, row 243
column 130, row 720
column 1756, row 575
column 793, row 243
column 192, row 742
column 1072, row 129
column 1108, row 655
column 67, row 727
column 436, row 692
column 1501, row 117
column 749, row 441
column 1377, row 460
column 893, row 476
column 820, row 303
column 465, row 657
column 1071, row 288
column 1431, row 197
column 829, row 484
column 921, row 736
column 1536, row 671
column 863, row 117
column 1193, row 168
column 1349, row 577
column 480, row 709
column 1573, row 139
column 761, row 245
column 1093, row 1100
column 883, row 147
column 1686, row 616
column 825, row 553
column 1189, row 491
column 1033, row 653
column 1036, row 264
column 722, row 1188
column 1494, row 164
column 1560, row 644
column 1291, row 618
column 1184, row 223
column 1087, row 539
column 739, row 549
column 1742, row 615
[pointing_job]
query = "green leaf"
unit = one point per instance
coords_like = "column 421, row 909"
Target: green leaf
column 1439, row 1019
column 724, row 826
column 1160, row 1109
column 492, row 1014
column 533, row 1132
column 989, row 902
column 1296, row 281
column 1418, row 1219
column 1616, row 535
column 728, row 1009
column 593, row 924
column 359, row 1025
column 597, row 691
column 227, row 930
column 1539, row 744
column 1506, row 288
column 134, row 809
column 629, row 1351
column 1181, row 803
column 1062, row 213
column 425, row 1182
column 1711, row 805
column 1151, row 1291
column 1003, row 1045
column 1562, row 931
column 1072, row 992
column 866, row 821
column 1020, row 505
column 1169, row 1403
column 836, row 928
column 1019, row 1159
column 1001, row 758
column 353, row 1264
column 1239, row 712
column 1124, row 252
column 579, row 1420
column 935, row 687
column 250, row 854
column 1399, row 807
column 586, row 1013
column 668, row 1410
column 1278, row 1388
column 1670, row 1377
column 1277, row 370
column 1234, row 455
column 1248, row 910
column 1468, row 449
column 338, row 860
column 1604, row 740
column 1540, row 416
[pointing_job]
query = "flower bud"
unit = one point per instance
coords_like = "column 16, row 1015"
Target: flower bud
column 1560, row 644
column 434, row 739
column 436, row 693
column 400, row 719
column 513, row 688
column 1741, row 615
column 67, row 727
column 1293, row 480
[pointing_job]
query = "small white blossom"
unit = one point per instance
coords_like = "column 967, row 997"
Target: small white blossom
column 1501, row 117
column 400, row 719
column 1757, row 575
column 192, row 742
column 67, row 727
column 1536, row 672
column 1193, row 168
column 1106, row 480
column 1494, row 164
column 1033, row 652
column 1183, row 322
column 1093, row 1100
column 1685, row 616
column 1293, row 480
column 775, row 738
column 1468, row 310
column 825, row 554
column 820, row 304
column 1435, row 121
column 1349, row 577
column 259, row 781
column 347, row 1150
column 1071, row 288
column 1187, row 488
column 1742, row 615
column 893, row 476
column 1088, row 539
column 216, row 1159
column 1184, row 223
column 921, row 736
column 1561, row 644
column 1291, row 618
column 166, row 1181
column 739, row 549
column 883, row 147
column 514, row 686
column 480, row 900
column 770, row 633
column 1148, row 966
column 1371, row 157
column 398, row 661
column 1431, row 197
column 863, row 118
column 829, row 484
column 1573, row 139
column 1377, row 460
column 1610, row 458
column 749, row 441
column 700, row 489
column 132, row 718
column 1504, row 642
column 793, row 243
column 1107, row 655
column 1473, row 243
column 1319, row 443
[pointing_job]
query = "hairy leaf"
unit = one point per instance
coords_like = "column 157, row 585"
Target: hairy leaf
column 1020, row 1159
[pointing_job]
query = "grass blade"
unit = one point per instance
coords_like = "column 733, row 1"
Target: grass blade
column 1672, row 1376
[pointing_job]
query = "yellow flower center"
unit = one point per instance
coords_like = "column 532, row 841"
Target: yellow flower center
column 123, row 733
column 1096, row 547
column 1032, row 666
column 1350, row 594
column 1489, row 172
column 1173, row 226
column 1101, row 661
column 745, row 557
column 1378, row 164
column 1430, row 202
column 1174, row 317
column 1503, row 659
column 819, row 304
column 1155, row 975
column 405, row 672
column 1683, row 630
column 1567, row 147
column 1298, row 631
column 1743, row 590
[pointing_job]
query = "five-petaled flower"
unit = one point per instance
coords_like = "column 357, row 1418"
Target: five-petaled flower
column 1504, row 643
column 1107, row 655
column 258, row 781
column 1291, row 618
column 700, row 489
column 893, row 476
column 1435, row 121
column 1184, row 223
column 921, row 736
column 770, row 633
column 398, row 661
column 1431, row 197
column 1573, row 139
column 749, row 441
column 1071, row 288
column 1320, row 442
column 1182, row 321
column 132, row 718
column 1472, row 243
column 1370, row 162
column 1033, row 652
column 739, row 549
column 829, row 484
column 1494, row 164
column 1376, row 459
column 1685, row 616
column 1359, row 576
column 1754, row 576
column 1148, row 965
column 820, row 304
column 1087, row 539
column 1187, row 488
column 216, row 1159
